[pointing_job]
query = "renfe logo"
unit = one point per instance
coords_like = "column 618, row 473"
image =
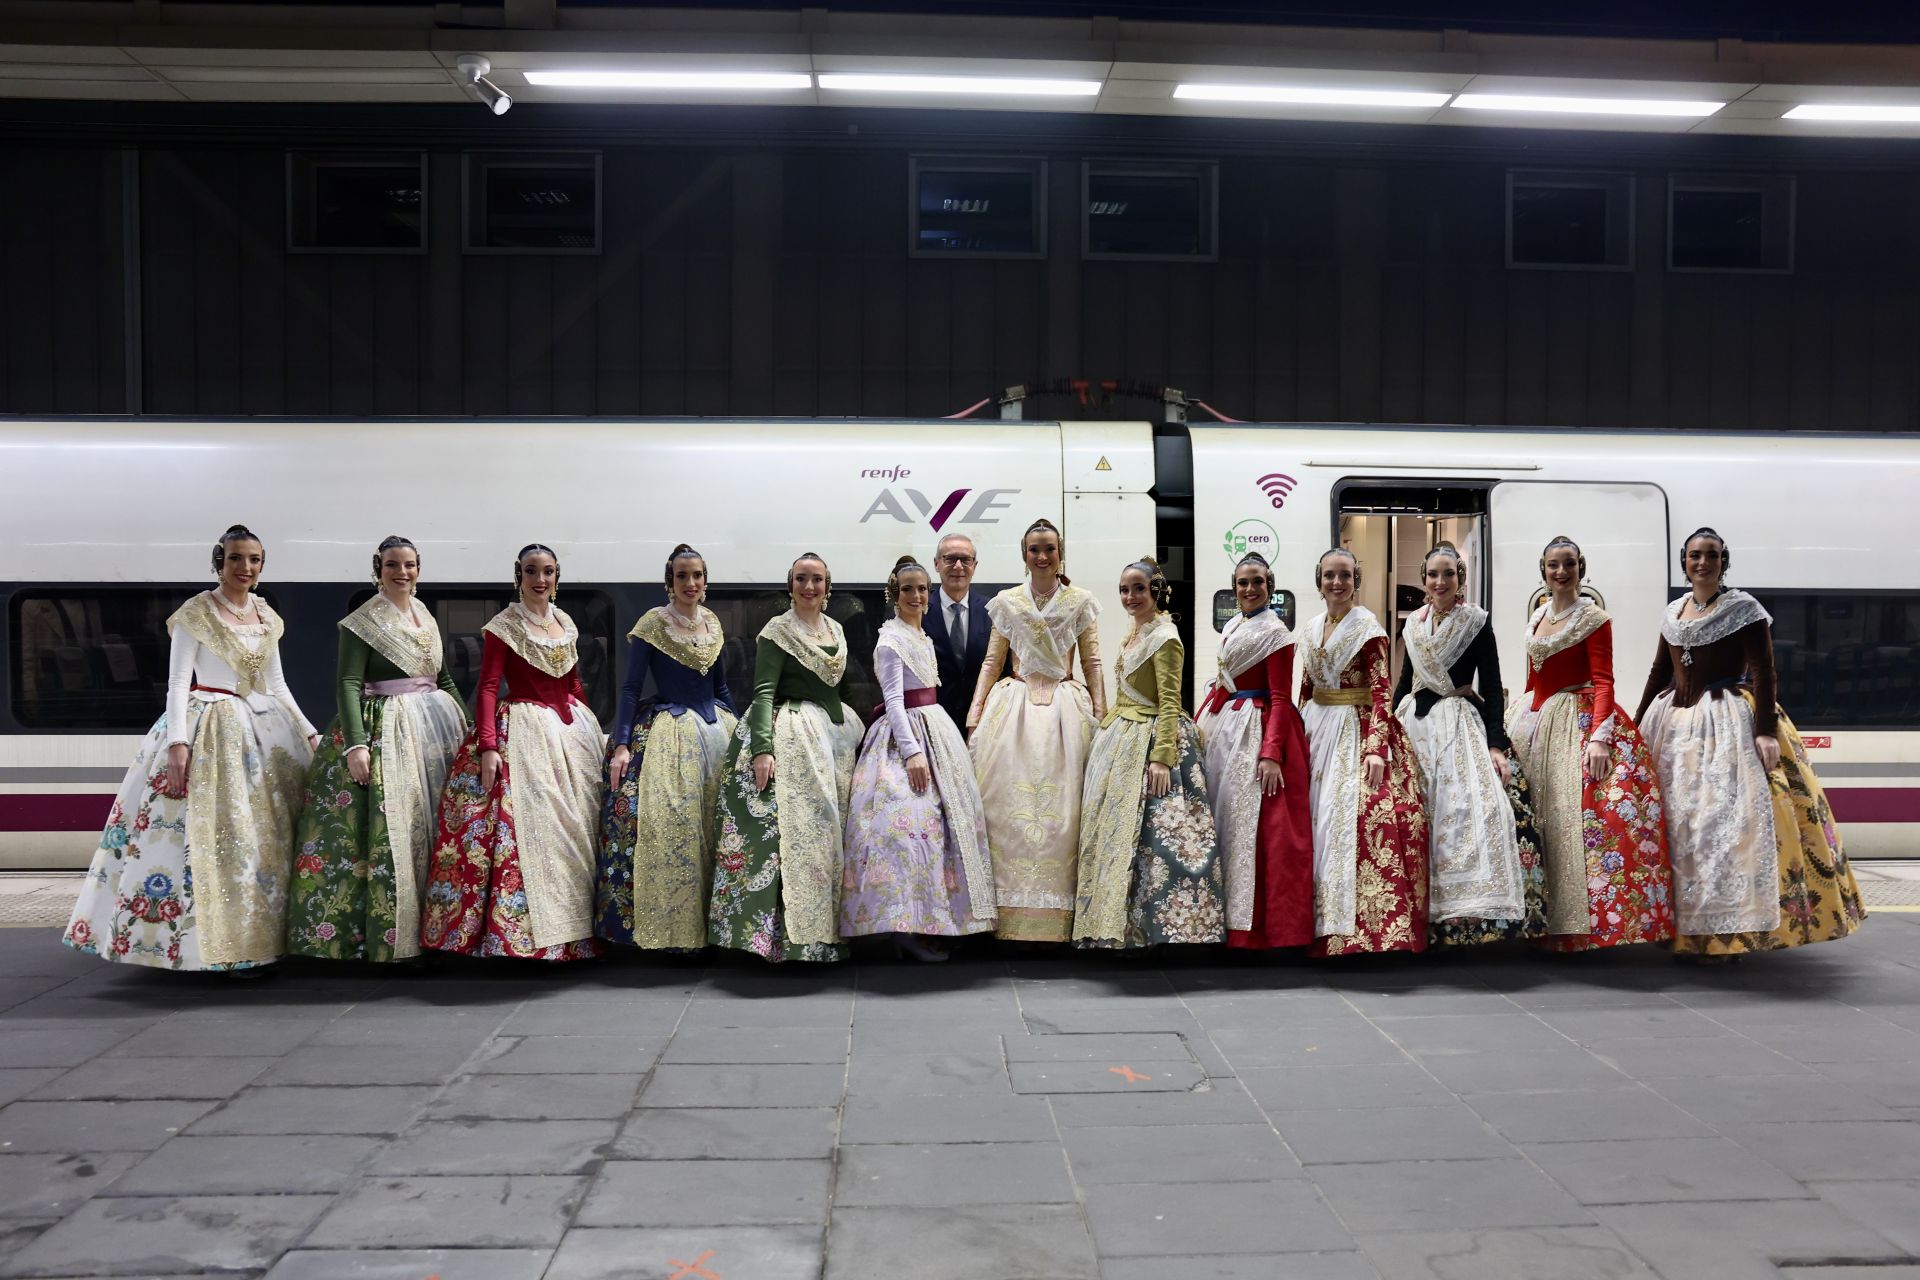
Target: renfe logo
column 978, row 511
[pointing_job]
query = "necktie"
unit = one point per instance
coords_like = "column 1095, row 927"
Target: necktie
column 957, row 630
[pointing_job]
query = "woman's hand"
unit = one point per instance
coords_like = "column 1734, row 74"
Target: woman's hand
column 360, row 765
column 1376, row 772
column 762, row 771
column 1272, row 780
column 617, row 766
column 1769, row 749
column 1500, row 764
column 1159, row 779
column 489, row 770
column 178, row 756
column 1599, row 760
column 919, row 777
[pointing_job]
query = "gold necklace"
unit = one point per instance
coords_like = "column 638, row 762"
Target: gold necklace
column 239, row 615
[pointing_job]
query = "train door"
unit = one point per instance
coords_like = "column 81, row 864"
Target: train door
column 1622, row 528
column 1390, row 525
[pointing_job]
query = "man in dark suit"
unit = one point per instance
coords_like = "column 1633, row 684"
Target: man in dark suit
column 957, row 624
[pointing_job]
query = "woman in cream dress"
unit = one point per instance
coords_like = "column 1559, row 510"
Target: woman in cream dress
column 1030, row 734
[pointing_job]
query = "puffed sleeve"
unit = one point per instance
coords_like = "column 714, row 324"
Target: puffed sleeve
column 1756, row 641
column 1374, row 661
column 1167, row 661
column 1493, row 694
column 891, row 672
column 1279, row 685
column 639, row 658
column 1659, row 679
column 768, row 661
column 486, row 696
column 351, row 678
column 990, row 669
column 180, row 656
column 1600, row 671
column 1089, row 643
column 273, row 677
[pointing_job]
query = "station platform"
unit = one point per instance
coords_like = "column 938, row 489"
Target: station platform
column 1000, row 1117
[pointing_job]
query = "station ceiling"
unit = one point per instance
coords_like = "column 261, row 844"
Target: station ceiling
column 1380, row 72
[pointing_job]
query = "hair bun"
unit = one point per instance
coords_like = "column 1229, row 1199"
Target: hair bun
column 904, row 561
column 233, row 529
column 1148, row 560
column 678, row 550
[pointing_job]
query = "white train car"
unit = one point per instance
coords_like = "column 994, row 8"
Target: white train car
column 108, row 523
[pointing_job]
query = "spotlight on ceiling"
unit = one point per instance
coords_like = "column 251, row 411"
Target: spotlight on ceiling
column 473, row 70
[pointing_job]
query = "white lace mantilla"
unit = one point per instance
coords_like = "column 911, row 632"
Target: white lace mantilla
column 1588, row 618
column 1734, row 611
column 787, row 632
column 1249, row 640
column 1134, row 656
column 200, row 618
column 1328, row 655
column 555, row 657
column 1043, row 637
column 696, row 652
column 1433, row 647
column 915, row 648
column 411, row 645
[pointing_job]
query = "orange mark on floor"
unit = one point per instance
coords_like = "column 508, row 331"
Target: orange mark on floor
column 1128, row 1074
column 695, row 1268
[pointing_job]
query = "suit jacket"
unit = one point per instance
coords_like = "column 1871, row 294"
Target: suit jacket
column 957, row 678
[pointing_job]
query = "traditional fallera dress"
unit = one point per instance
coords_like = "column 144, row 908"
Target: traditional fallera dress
column 1605, row 841
column 360, row 853
column 200, row 881
column 776, row 871
column 1031, row 734
column 512, row 871
column 1757, row 864
column 1149, row 865
column 656, row 834
column 1369, row 845
column 916, row 862
column 1485, row 879
column 1266, row 842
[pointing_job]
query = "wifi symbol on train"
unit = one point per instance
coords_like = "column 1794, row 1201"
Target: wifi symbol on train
column 1277, row 487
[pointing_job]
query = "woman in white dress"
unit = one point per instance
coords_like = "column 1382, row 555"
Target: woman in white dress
column 193, row 867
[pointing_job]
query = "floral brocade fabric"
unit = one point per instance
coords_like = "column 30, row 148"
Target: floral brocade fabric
column 1533, row 877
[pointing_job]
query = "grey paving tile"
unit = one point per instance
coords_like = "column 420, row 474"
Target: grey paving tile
column 1897, row 1084
column 54, row 1184
column 1161, row 1046
column 1256, row 1010
column 717, row 1193
column 945, row 1118
column 1252, row 1266
column 223, row 1038
column 1183, row 1219
column 429, row 1063
column 1505, row 1253
column 411, row 1264
column 1494, row 1071
column 752, row 1253
column 243, row 1165
column 1662, row 1170
column 772, row 1044
column 1891, row 1208
column 707, row 1014
column 137, row 1078
column 18, row 1082
column 1429, row 1000
column 728, row 1133
column 1322, row 1044
column 1765, row 1099
column 1226, row 1102
column 1636, row 1022
column 570, row 1055
column 368, row 1109
column 953, row 1174
column 492, row 1212
column 567, row 1020
column 1833, row 1151
column 1585, row 1115
column 1740, row 1239
column 895, row 1074
column 1398, row 1084
column 66, row 1046
column 144, row 1236
column 1100, row 1077
column 498, row 1146
column 744, row 1085
column 1110, row 1017
column 531, row 1097
column 62, row 1127
column 871, row 1039
column 1203, row 1153
column 1696, row 1057
column 1373, row 1134
column 1515, row 1031
column 1447, row 1195
column 1854, row 1037
column 972, row 1242
column 372, row 1026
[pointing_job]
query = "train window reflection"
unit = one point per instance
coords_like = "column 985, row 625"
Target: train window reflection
column 94, row 658
column 1847, row 658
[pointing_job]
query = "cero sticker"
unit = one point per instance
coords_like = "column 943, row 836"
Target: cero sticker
column 1251, row 535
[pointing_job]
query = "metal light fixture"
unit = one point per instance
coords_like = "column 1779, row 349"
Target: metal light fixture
column 473, row 70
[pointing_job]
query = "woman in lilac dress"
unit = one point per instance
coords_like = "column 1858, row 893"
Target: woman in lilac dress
column 916, row 849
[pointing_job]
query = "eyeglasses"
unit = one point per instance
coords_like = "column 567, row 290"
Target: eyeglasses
column 956, row 560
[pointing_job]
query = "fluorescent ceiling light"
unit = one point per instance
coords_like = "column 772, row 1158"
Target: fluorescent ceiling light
column 692, row 80
column 1585, row 106
column 1307, row 95
column 1859, row 111
column 1003, row 85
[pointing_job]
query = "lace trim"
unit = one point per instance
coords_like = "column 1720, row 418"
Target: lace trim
column 830, row 667
column 1043, row 638
column 1434, row 648
column 1735, row 611
column 915, row 648
column 1249, row 641
column 1146, row 642
column 555, row 657
column 1329, row 656
column 200, row 618
column 415, row 650
column 697, row 653
column 1588, row 618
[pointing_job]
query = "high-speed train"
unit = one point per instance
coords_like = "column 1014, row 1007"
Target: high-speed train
column 108, row 525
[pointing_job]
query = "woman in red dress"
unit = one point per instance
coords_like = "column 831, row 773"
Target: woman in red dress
column 1596, row 797
column 513, row 865
column 1257, row 773
column 1369, row 829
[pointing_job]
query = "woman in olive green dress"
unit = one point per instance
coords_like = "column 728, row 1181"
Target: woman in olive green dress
column 785, row 785
column 360, row 853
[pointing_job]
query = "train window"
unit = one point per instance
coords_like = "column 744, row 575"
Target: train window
column 744, row 610
column 1569, row 219
column 976, row 207
column 524, row 203
column 1847, row 659
column 1166, row 212
column 1720, row 222
column 92, row 658
column 356, row 202
column 1225, row 606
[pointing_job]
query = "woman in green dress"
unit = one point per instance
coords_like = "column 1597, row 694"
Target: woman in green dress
column 361, row 849
column 1149, row 862
column 785, row 786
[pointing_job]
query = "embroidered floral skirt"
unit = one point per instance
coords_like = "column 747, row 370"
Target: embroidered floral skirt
column 905, row 871
column 656, row 833
column 1149, row 868
column 1030, row 758
column 1369, row 845
column 1474, row 931
column 777, row 853
column 1757, row 864
column 360, row 853
column 1266, row 842
column 512, row 869
column 1605, row 841
column 199, row 882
